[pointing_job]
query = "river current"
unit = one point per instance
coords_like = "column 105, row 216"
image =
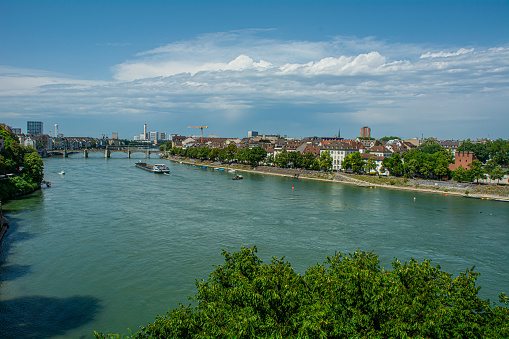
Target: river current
column 109, row 246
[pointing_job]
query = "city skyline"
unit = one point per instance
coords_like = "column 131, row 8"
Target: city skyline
column 403, row 68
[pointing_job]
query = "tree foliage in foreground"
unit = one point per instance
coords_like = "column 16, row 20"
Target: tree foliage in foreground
column 348, row 296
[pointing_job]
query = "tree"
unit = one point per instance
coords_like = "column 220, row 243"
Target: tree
column 310, row 162
column 497, row 173
column 231, row 151
column 325, row 161
column 255, row 155
column 394, row 164
column 348, row 296
column 442, row 166
column 462, row 174
column 353, row 161
column 34, row 167
column 282, row 159
column 370, row 165
column 480, row 150
column 430, row 146
column 477, row 170
column 389, row 138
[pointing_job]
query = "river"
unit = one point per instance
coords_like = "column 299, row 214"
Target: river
column 109, row 246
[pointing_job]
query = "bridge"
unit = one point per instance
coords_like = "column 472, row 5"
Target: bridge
column 107, row 151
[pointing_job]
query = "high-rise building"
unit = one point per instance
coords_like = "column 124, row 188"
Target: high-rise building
column 251, row 134
column 34, row 127
column 365, row 132
column 114, row 135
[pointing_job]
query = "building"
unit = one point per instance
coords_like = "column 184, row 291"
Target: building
column 114, row 135
column 379, row 169
column 365, row 132
column 380, row 151
column 251, row 134
column 16, row 130
column 34, row 127
column 451, row 145
column 464, row 159
column 338, row 151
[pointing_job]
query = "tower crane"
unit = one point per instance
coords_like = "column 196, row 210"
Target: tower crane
column 200, row 127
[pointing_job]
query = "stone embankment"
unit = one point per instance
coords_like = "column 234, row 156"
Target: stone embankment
column 500, row 193
column 4, row 224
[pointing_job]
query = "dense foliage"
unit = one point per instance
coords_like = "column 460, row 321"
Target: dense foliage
column 255, row 156
column 497, row 151
column 23, row 164
column 348, row 296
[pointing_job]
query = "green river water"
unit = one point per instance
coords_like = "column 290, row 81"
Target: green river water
column 109, row 246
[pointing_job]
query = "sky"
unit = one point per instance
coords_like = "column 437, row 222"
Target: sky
column 295, row 68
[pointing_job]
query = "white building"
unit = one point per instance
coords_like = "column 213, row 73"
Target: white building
column 338, row 151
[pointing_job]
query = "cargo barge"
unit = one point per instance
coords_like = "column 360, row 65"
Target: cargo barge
column 156, row 168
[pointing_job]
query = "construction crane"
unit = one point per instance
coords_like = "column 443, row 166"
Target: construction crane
column 200, row 127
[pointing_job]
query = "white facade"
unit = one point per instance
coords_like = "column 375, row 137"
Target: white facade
column 338, row 152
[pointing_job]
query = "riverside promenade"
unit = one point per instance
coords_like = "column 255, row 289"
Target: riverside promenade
column 428, row 186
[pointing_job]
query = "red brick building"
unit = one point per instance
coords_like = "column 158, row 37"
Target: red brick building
column 462, row 158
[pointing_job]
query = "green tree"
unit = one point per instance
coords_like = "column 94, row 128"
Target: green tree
column 34, row 167
column 442, row 166
column 389, row 138
column 282, row 159
column 325, row 161
column 353, row 161
column 462, row 174
column 310, row 162
column 256, row 155
column 394, row 164
column 430, row 146
column 231, row 151
column 348, row 296
column 497, row 173
column 370, row 165
column 477, row 170
column 480, row 150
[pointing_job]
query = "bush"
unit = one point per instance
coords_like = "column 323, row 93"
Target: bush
column 348, row 296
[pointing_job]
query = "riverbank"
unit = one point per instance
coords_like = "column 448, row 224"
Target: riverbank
column 4, row 224
column 487, row 192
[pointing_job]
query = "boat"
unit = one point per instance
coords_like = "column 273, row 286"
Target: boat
column 238, row 177
column 156, row 168
column 367, row 185
column 61, row 172
column 231, row 171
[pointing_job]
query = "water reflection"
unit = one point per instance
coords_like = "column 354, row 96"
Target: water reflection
column 44, row 317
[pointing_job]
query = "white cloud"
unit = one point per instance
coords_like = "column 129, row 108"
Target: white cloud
column 237, row 76
column 442, row 54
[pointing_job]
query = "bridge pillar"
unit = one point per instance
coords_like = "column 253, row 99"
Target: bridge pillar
column 107, row 153
column 85, row 153
column 128, row 154
column 65, row 155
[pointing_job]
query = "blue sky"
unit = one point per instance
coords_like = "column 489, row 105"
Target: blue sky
column 297, row 68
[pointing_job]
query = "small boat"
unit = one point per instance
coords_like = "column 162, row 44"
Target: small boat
column 231, row 171
column 238, row 177
column 367, row 185
column 204, row 167
column 61, row 172
column 156, row 168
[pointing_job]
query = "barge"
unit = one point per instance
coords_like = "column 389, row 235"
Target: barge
column 156, row 168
